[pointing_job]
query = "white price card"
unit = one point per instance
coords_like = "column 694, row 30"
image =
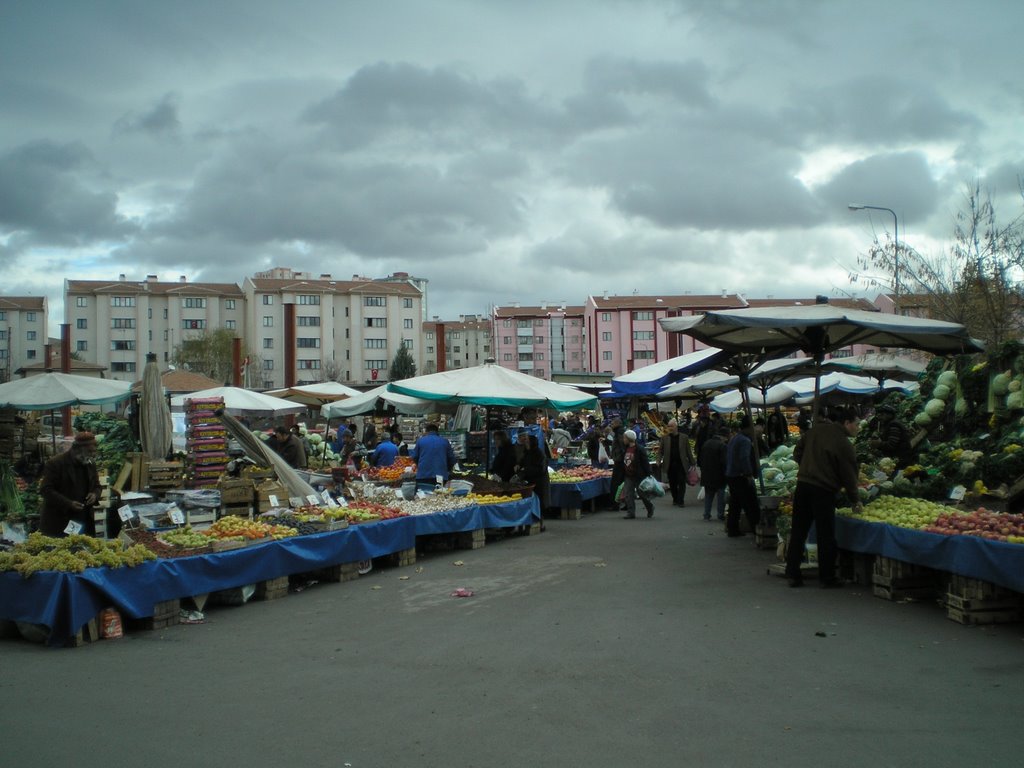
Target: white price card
column 329, row 500
column 440, row 480
column 398, row 493
column 176, row 515
column 295, row 501
column 421, row 495
column 73, row 527
column 273, row 501
column 125, row 513
column 313, row 499
column 957, row 494
column 342, row 501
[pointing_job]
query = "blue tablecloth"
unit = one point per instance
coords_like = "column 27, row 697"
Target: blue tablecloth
column 572, row 495
column 993, row 561
column 66, row 601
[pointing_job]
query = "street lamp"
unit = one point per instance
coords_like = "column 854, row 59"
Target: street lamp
column 896, row 247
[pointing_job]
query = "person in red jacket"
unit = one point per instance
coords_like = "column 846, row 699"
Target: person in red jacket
column 635, row 467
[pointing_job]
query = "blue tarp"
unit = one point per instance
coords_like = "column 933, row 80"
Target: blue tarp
column 649, row 380
column 996, row 562
column 67, row 601
column 572, row 495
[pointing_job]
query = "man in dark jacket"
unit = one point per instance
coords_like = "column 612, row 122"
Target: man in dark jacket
column 70, row 488
column 712, row 472
column 289, row 447
column 635, row 467
column 676, row 458
column 739, row 475
column 828, row 464
column 893, row 438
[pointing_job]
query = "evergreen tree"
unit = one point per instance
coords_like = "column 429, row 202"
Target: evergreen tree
column 403, row 366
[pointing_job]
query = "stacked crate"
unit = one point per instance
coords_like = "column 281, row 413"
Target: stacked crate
column 8, row 440
column 971, row 601
column 897, row 580
column 207, row 441
column 165, row 475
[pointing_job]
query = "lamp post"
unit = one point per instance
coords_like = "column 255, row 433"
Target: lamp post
column 896, row 247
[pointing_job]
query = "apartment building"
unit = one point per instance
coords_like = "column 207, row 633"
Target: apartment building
column 542, row 340
column 467, row 342
column 23, row 332
column 115, row 323
column 307, row 329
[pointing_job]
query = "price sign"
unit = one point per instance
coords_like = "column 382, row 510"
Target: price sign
column 440, row 480
column 342, row 501
column 125, row 513
column 329, row 500
column 398, row 493
column 295, row 501
column 421, row 495
column 957, row 494
column 313, row 499
column 176, row 515
column 273, row 501
column 73, row 527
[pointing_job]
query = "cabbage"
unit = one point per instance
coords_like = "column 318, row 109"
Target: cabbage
column 1001, row 384
column 1015, row 400
column 315, row 439
column 947, row 379
column 941, row 392
column 923, row 419
column 782, row 452
column 1014, row 385
column 789, row 466
column 934, row 408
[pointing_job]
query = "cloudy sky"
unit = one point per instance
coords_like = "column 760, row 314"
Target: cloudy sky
column 504, row 149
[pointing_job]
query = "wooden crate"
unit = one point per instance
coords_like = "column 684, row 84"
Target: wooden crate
column 238, row 510
column 976, row 589
column 162, row 475
column 272, row 589
column 470, row 539
column 336, row 573
column 237, row 491
column 766, row 536
column 897, row 593
column 857, row 567
column 570, row 513
column 401, row 558
column 165, row 614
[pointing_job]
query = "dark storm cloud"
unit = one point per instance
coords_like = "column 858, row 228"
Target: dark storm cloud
column 901, row 181
column 685, row 82
column 877, row 109
column 160, row 120
column 49, row 194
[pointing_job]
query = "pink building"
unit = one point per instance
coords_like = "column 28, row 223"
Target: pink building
column 541, row 340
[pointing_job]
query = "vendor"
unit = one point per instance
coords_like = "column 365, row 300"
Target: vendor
column 434, row 458
column 892, row 437
column 289, row 447
column 386, row 452
column 70, row 488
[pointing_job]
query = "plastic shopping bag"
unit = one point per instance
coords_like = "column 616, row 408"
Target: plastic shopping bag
column 693, row 475
column 620, row 492
column 649, row 486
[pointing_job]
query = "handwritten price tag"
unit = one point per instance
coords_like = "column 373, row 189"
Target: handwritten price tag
column 273, row 501
column 176, row 515
column 295, row 501
column 73, row 527
column 342, row 502
column 125, row 513
column 957, row 494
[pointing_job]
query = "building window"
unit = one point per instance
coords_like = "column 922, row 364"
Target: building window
column 122, row 323
column 122, row 346
column 30, row 317
column 81, row 301
column 507, row 323
column 268, row 343
column 524, row 324
column 267, row 299
column 165, row 313
column 643, row 315
column 506, row 339
column 407, row 324
column 374, row 301
column 309, row 300
column 538, row 339
column 507, row 357
column 309, row 365
column 81, row 323
column 193, row 325
column 456, row 335
column 150, row 334
column 606, row 355
column 407, row 343
column 122, row 301
column 149, row 313
column 575, row 355
column 643, row 354
column 268, row 321
column 407, row 303
column 30, row 354
column 606, row 317
column 3, row 335
column 525, row 357
column 229, row 304
column 378, row 364
column 643, row 335
column 192, row 303
column 540, row 355
column 82, row 346
column 430, row 336
column 165, row 334
column 268, row 365
column 606, row 336
column 538, row 323
column 307, row 343
column 268, row 383
column 229, row 324
column 375, row 343
column 376, row 322
column 457, row 349
column 122, row 367
column 3, row 314
column 308, row 321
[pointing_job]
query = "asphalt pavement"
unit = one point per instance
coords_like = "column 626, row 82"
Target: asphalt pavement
column 601, row 642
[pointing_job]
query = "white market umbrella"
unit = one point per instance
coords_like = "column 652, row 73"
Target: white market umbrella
column 880, row 366
column 366, row 402
column 727, row 402
column 315, row 394
column 491, row 384
column 650, row 379
column 50, row 391
column 238, row 400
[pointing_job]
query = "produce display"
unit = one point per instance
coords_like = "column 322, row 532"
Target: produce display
column 900, row 512
column 392, row 474
column 180, row 542
column 71, row 554
column 578, row 474
column 232, row 528
column 778, row 470
column 981, row 523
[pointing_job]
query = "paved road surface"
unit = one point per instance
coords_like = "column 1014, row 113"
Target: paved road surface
column 602, row 642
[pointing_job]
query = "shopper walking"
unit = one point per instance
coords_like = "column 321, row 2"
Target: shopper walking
column 635, row 467
column 712, row 460
column 828, row 464
column 676, row 458
column 739, row 475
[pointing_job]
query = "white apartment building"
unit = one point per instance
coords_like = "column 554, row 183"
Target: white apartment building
column 467, row 342
column 115, row 323
column 307, row 329
column 23, row 333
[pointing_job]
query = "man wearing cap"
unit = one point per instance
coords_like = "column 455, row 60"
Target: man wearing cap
column 893, row 438
column 70, row 488
column 635, row 467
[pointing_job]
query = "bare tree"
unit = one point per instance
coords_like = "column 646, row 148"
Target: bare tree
column 977, row 282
